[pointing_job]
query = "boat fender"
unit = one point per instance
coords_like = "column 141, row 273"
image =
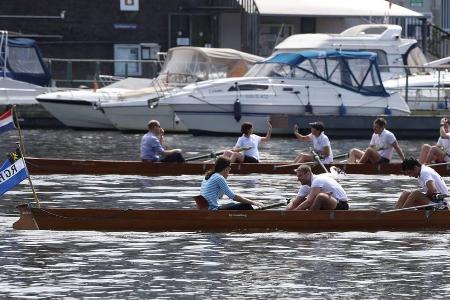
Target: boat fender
column 309, row 108
column 237, row 110
column 342, row 110
column 387, row 110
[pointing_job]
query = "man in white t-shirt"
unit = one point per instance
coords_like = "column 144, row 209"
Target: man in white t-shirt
column 321, row 144
column 429, row 180
column 246, row 148
column 381, row 146
column 318, row 192
column 440, row 152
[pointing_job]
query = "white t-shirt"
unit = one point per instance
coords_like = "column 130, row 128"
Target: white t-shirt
column 384, row 141
column 443, row 143
column 427, row 174
column 252, row 141
column 326, row 185
column 319, row 143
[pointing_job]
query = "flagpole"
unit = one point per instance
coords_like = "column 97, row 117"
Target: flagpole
column 22, row 143
column 29, row 176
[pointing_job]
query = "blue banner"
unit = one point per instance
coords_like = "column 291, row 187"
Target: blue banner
column 12, row 172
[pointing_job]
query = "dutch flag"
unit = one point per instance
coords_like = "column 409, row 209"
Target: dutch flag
column 6, row 121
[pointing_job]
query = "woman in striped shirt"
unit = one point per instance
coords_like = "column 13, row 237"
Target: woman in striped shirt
column 214, row 186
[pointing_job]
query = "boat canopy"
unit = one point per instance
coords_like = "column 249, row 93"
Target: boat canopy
column 23, row 61
column 191, row 64
column 356, row 71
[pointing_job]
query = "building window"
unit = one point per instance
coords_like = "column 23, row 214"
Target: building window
column 123, row 52
column 129, row 5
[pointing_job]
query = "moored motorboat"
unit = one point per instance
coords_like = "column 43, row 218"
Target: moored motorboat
column 41, row 166
column 46, row 218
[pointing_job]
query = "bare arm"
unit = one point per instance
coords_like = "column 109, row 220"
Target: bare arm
column 303, row 138
column 399, row 150
column 431, row 188
column 309, row 199
column 295, row 202
column 269, row 132
column 325, row 151
column 442, row 133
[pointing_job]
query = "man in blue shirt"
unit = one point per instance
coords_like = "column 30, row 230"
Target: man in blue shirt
column 151, row 148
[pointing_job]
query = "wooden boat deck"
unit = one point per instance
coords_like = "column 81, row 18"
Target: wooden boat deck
column 226, row 221
column 46, row 166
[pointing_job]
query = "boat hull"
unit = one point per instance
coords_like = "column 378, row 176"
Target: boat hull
column 225, row 221
column 76, row 113
column 47, row 166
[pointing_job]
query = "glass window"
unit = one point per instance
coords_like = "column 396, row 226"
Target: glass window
column 416, row 58
column 24, row 60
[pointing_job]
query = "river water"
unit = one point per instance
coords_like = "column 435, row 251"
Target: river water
column 51, row 264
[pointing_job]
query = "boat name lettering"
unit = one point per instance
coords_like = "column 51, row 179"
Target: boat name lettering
column 238, row 215
column 258, row 96
column 6, row 174
column 215, row 91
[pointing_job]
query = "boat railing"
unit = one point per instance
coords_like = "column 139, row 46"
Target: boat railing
column 433, row 94
column 75, row 73
column 3, row 52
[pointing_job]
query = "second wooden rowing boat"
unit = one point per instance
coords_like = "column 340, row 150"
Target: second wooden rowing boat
column 45, row 166
column 226, row 221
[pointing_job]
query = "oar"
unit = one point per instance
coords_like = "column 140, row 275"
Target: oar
column 274, row 205
column 340, row 155
column 413, row 207
column 294, row 165
column 210, row 155
column 438, row 164
column 317, row 158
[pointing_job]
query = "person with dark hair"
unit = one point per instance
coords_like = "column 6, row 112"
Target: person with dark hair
column 381, row 146
column 321, row 144
column 429, row 180
column 246, row 148
column 437, row 153
column 318, row 192
column 214, row 186
column 152, row 149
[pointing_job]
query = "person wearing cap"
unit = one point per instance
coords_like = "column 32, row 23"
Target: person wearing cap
column 152, row 149
column 429, row 180
column 321, row 144
column 318, row 192
column 437, row 153
column 246, row 148
column 381, row 146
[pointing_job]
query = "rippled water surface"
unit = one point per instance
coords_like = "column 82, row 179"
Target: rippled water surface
column 44, row 264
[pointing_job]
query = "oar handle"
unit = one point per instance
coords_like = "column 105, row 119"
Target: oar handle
column 274, row 205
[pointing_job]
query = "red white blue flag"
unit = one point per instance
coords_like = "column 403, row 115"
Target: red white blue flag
column 6, row 121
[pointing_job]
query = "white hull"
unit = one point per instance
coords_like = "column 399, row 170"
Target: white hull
column 134, row 116
column 14, row 92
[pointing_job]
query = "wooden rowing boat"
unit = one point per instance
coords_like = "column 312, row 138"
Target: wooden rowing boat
column 224, row 221
column 45, row 166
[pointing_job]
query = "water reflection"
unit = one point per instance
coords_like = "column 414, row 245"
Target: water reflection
column 44, row 264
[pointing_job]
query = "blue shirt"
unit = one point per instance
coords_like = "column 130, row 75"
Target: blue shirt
column 151, row 148
column 214, row 188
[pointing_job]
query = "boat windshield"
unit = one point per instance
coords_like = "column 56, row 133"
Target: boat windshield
column 185, row 66
column 358, row 73
column 415, row 57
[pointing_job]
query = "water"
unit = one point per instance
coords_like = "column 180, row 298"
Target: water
column 43, row 264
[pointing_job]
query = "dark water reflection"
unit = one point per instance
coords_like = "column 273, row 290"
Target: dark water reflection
column 43, row 264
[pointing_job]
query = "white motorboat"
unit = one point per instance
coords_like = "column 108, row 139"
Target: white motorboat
column 124, row 104
column 393, row 50
column 23, row 74
column 79, row 108
column 290, row 85
column 184, row 65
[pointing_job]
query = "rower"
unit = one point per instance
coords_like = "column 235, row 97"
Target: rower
column 380, row 148
column 248, row 141
column 151, row 146
column 430, row 181
column 214, row 186
column 321, row 144
column 439, row 152
column 318, row 192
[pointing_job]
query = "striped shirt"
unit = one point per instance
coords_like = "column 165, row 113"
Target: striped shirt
column 214, row 188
